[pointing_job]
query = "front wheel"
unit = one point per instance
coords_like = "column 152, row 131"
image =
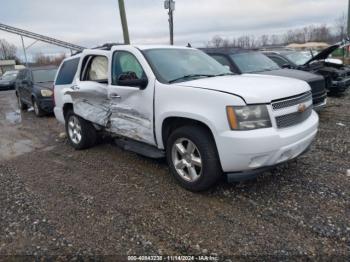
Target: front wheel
column 193, row 159
column 37, row 109
column 81, row 133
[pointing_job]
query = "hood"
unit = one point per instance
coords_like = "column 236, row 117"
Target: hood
column 47, row 85
column 297, row 74
column 254, row 89
column 323, row 55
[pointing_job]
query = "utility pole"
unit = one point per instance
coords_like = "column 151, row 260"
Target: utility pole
column 348, row 35
column 170, row 5
column 124, row 22
column 25, row 52
column 349, row 19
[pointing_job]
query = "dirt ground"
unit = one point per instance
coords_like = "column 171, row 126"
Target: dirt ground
column 106, row 201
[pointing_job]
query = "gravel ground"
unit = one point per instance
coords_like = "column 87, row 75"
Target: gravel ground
column 55, row 201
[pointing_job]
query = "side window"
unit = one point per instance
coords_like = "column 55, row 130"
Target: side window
column 67, row 72
column 222, row 60
column 96, row 69
column 126, row 65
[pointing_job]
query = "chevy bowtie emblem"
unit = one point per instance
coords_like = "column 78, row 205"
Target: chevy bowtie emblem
column 301, row 108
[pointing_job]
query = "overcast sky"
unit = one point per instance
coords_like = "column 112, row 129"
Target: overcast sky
column 90, row 22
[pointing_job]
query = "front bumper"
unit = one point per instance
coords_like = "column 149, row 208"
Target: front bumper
column 7, row 87
column 252, row 174
column 340, row 86
column 250, row 150
column 46, row 104
column 319, row 100
column 318, row 107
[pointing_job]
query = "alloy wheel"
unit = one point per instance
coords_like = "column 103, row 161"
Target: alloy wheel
column 74, row 130
column 187, row 159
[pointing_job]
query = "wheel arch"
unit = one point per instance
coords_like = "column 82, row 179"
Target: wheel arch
column 171, row 123
column 66, row 108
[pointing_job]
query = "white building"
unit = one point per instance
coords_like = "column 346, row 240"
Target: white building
column 6, row 65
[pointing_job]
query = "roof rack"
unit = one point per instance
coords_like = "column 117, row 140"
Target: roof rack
column 107, row 47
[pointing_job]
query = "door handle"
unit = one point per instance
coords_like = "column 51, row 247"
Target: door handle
column 115, row 96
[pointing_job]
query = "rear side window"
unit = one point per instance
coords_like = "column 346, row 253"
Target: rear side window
column 95, row 69
column 67, row 72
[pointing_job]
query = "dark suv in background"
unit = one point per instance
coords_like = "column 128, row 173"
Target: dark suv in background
column 242, row 61
column 8, row 80
column 34, row 87
column 337, row 75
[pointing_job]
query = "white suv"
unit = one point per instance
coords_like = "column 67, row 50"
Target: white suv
column 180, row 103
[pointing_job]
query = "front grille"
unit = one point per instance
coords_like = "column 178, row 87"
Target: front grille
column 280, row 104
column 293, row 118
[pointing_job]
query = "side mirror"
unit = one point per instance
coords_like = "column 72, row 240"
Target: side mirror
column 287, row 66
column 140, row 83
column 130, row 79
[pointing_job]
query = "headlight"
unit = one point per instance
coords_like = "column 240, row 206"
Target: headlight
column 46, row 92
column 248, row 117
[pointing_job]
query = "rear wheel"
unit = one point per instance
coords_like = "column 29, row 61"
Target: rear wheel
column 21, row 105
column 193, row 158
column 81, row 133
column 37, row 109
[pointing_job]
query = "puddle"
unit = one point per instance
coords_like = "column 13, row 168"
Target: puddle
column 13, row 149
column 14, row 117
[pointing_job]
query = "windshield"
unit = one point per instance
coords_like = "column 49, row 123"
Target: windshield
column 44, row 75
column 253, row 62
column 9, row 77
column 177, row 65
column 299, row 58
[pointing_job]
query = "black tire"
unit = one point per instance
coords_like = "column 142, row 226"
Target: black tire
column 37, row 109
column 88, row 132
column 211, row 170
column 21, row 105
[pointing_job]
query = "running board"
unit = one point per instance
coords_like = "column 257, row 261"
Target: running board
column 140, row 148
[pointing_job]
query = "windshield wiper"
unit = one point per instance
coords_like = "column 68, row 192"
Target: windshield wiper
column 189, row 76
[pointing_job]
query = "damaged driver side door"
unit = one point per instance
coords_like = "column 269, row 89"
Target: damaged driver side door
column 131, row 96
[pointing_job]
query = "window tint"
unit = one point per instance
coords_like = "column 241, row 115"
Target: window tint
column 124, row 62
column 98, row 69
column 222, row 60
column 67, row 72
